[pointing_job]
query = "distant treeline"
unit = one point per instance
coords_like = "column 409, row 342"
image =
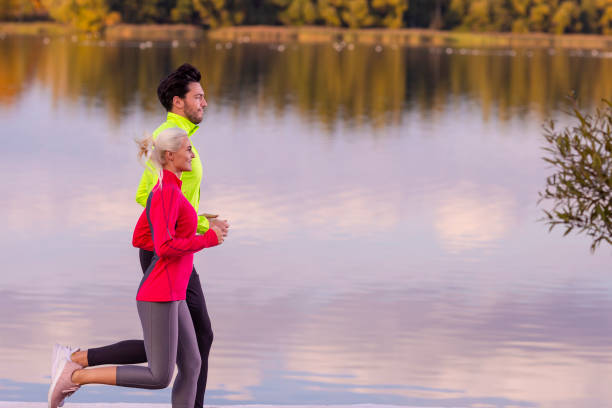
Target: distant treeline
column 519, row 16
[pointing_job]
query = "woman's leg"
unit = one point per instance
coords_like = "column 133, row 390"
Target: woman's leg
column 187, row 360
column 123, row 352
column 99, row 375
column 160, row 329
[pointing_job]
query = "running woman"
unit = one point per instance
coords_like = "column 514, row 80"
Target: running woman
column 170, row 221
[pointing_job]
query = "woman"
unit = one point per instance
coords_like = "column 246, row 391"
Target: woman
column 170, row 222
column 181, row 94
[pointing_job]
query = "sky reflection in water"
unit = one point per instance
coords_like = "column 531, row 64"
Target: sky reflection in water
column 388, row 253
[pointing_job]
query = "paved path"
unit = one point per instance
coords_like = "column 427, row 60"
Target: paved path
column 5, row 404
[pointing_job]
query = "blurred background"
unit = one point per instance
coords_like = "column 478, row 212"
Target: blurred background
column 517, row 16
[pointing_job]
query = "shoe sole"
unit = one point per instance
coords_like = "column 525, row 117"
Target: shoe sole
column 56, row 370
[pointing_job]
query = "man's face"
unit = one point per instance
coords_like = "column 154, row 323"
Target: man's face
column 194, row 103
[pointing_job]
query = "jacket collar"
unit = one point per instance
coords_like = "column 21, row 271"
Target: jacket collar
column 183, row 123
column 170, row 177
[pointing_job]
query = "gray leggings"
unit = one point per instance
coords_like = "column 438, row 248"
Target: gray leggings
column 169, row 338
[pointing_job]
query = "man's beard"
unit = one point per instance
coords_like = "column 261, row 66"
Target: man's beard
column 193, row 117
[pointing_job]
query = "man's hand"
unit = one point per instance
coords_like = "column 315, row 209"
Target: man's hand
column 221, row 225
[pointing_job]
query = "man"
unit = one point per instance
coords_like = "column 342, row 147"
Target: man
column 182, row 96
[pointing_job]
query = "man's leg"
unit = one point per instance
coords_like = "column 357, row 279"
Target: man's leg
column 203, row 330
column 123, row 352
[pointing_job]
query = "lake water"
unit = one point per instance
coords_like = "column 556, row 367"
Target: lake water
column 385, row 246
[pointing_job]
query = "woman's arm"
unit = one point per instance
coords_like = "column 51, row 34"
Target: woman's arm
column 142, row 233
column 163, row 213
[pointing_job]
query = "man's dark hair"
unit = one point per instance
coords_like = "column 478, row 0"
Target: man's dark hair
column 176, row 84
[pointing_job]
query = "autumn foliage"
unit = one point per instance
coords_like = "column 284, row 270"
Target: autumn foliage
column 519, row 16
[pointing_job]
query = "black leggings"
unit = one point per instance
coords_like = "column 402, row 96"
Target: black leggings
column 133, row 351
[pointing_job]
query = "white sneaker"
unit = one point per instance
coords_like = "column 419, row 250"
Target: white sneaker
column 59, row 358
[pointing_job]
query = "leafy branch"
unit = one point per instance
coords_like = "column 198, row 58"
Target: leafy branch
column 581, row 185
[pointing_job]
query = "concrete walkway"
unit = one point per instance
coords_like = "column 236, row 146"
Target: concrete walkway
column 6, row 404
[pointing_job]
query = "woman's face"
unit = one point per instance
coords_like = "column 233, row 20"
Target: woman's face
column 181, row 159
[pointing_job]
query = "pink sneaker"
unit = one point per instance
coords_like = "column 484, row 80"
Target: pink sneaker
column 62, row 386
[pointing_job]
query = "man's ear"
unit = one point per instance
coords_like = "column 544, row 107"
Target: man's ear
column 178, row 102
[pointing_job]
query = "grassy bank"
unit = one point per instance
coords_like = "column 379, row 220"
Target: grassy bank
column 273, row 34
column 143, row 32
column 409, row 37
column 35, row 28
column 154, row 32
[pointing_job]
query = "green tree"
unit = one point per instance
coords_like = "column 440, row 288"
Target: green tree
column 20, row 9
column 390, row 12
column 128, row 9
column 478, row 15
column 329, row 12
column 297, row 12
column 436, row 21
column 566, row 18
column 519, row 10
column 85, row 15
column 589, row 14
column 342, row 13
column 580, row 188
column 434, row 14
column 153, row 11
column 220, row 13
column 605, row 22
column 540, row 15
column 457, row 10
column 357, row 14
column 183, row 12
column 501, row 15
column 558, row 16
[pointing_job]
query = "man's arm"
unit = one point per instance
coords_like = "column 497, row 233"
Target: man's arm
column 147, row 182
column 203, row 224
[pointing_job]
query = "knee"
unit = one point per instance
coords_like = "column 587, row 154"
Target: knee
column 205, row 338
column 161, row 380
column 210, row 336
column 194, row 365
column 190, row 367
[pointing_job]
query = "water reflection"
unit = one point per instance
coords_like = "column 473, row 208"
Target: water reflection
column 472, row 216
column 383, row 249
column 359, row 85
column 447, row 349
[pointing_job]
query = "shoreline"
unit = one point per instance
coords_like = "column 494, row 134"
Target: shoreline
column 408, row 37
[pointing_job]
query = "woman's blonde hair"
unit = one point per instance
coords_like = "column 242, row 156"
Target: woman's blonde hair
column 154, row 149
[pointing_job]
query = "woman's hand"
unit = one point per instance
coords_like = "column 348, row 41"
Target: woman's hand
column 222, row 225
column 219, row 232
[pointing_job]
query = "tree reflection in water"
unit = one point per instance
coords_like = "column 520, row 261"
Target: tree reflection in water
column 322, row 82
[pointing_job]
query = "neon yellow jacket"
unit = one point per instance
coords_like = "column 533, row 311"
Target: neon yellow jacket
column 191, row 179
